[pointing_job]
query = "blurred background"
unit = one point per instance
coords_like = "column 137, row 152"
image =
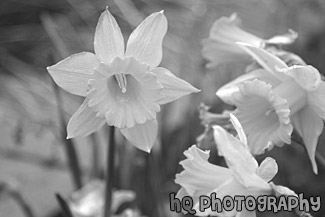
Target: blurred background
column 35, row 162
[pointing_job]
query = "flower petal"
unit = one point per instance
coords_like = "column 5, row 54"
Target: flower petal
column 267, row 169
column 142, row 136
column 235, row 152
column 308, row 77
column 225, row 29
column 145, row 42
column 174, row 87
column 239, row 129
column 84, row 121
column 268, row 61
column 309, row 125
column 220, row 47
column 239, row 159
column 199, row 176
column 232, row 188
column 226, row 91
column 216, row 53
column 281, row 190
column 74, row 72
column 246, row 213
column 316, row 100
column 109, row 42
column 288, row 38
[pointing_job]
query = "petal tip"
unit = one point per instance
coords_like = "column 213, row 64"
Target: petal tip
column 106, row 11
column 195, row 90
column 70, row 134
column 148, row 150
column 314, row 166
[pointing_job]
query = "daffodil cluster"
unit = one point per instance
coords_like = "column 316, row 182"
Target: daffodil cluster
column 277, row 93
column 280, row 94
column 124, row 87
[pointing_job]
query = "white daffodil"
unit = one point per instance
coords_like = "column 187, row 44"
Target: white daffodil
column 243, row 177
column 123, row 86
column 263, row 114
column 220, row 46
column 297, row 92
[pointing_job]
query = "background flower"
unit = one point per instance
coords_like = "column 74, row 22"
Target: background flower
column 300, row 87
column 221, row 46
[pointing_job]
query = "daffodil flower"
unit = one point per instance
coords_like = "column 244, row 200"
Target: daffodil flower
column 89, row 200
column 220, row 46
column 243, row 177
column 281, row 93
column 123, row 87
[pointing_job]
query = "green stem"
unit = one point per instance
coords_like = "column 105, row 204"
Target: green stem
column 109, row 172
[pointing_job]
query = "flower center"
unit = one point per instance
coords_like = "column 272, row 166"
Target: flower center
column 263, row 114
column 125, row 93
column 122, row 82
column 293, row 93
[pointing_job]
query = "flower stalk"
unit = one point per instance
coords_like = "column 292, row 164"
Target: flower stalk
column 109, row 179
column 95, row 159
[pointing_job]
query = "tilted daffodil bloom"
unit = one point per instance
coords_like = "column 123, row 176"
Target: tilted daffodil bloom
column 123, row 87
column 263, row 114
column 300, row 93
column 220, row 46
column 243, row 177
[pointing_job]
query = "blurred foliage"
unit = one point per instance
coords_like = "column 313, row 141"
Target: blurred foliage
column 38, row 33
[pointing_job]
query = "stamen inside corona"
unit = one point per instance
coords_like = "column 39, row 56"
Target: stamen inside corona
column 122, row 82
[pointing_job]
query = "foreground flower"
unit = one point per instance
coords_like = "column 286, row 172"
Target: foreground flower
column 243, row 177
column 296, row 91
column 89, row 200
column 221, row 45
column 123, row 87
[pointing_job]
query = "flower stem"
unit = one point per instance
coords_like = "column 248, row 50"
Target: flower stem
column 109, row 172
column 95, row 158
